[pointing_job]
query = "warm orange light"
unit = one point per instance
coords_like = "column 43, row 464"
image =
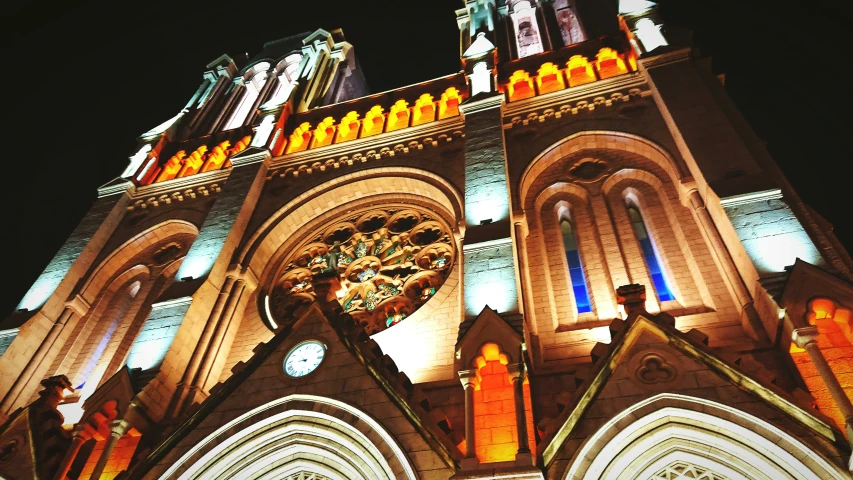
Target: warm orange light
column 495, row 430
column 491, row 352
column 579, row 71
column 549, row 78
column 822, row 308
column 609, row 64
column 348, row 128
column 217, row 157
column 398, row 117
column 299, row 139
column 172, row 167
column 324, row 133
column 448, row 105
column 193, row 163
column 520, row 86
column 843, row 316
column 374, row 121
column 424, row 110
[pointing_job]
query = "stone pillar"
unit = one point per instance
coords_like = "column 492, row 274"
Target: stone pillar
column 44, row 311
column 516, row 375
column 468, row 378
column 489, row 270
column 117, row 429
column 222, row 326
column 736, row 285
column 37, row 363
column 77, row 440
column 806, row 338
column 191, row 373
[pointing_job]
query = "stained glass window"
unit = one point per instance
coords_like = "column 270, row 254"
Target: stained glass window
column 575, row 267
column 650, row 254
column 389, row 263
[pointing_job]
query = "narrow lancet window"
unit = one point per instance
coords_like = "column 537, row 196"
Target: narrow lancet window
column 250, row 95
column 650, row 254
column 576, row 274
column 527, row 36
column 570, row 25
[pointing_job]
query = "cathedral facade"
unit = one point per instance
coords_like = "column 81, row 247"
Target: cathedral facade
column 572, row 259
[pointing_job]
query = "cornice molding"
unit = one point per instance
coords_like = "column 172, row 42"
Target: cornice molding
column 674, row 56
column 370, row 148
column 493, row 101
column 573, row 94
column 747, row 198
column 115, row 187
column 182, row 184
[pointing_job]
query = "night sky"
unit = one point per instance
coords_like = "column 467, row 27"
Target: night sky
column 84, row 79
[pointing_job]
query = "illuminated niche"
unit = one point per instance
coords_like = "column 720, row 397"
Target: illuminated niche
column 390, row 262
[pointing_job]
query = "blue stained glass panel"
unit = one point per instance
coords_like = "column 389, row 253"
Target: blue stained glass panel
column 652, row 261
column 576, row 274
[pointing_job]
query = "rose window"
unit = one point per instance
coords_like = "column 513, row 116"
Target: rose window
column 389, row 262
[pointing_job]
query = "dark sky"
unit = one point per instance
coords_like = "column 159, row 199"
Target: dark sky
column 84, row 78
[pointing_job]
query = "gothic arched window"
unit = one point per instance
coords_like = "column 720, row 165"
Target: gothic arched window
column 250, row 95
column 389, row 263
column 576, row 273
column 527, row 36
column 570, row 26
column 650, row 254
column 287, row 78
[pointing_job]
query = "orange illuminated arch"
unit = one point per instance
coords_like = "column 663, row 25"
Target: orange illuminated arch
column 324, row 133
column 300, row 138
column 608, row 63
column 834, row 322
column 424, row 110
column 549, row 78
column 348, row 128
column 520, row 86
column 496, row 430
column 448, row 105
column 374, row 121
column 579, row 71
column 398, row 117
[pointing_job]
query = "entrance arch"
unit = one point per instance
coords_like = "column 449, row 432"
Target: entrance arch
column 678, row 433
column 297, row 434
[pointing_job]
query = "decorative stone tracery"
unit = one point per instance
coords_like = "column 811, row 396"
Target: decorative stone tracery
column 389, row 262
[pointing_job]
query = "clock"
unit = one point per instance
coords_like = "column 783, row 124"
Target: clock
column 304, row 358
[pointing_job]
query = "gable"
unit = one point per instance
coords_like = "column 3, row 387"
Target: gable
column 352, row 400
column 647, row 359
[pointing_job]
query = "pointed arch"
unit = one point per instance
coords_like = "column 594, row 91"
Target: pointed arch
column 669, row 428
column 297, row 433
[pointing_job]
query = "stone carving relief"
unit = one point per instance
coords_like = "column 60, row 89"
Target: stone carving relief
column 389, row 263
column 654, row 368
column 588, row 170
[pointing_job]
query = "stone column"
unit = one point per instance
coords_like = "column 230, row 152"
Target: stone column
column 806, row 338
column 489, row 270
column 190, row 374
column 77, row 441
column 468, row 378
column 731, row 274
column 223, row 322
column 36, row 362
column 516, row 375
column 117, row 429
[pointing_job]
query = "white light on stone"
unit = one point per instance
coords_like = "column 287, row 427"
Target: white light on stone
column 634, row 6
column 136, row 161
column 649, row 34
column 481, row 79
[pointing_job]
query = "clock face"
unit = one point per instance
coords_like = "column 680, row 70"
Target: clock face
column 304, row 358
